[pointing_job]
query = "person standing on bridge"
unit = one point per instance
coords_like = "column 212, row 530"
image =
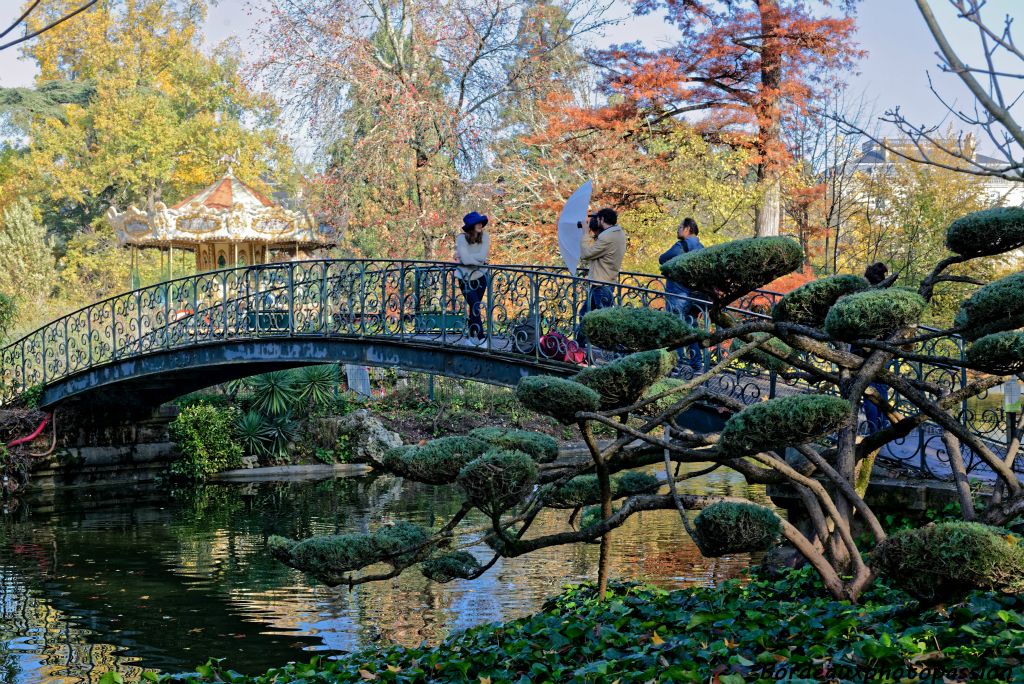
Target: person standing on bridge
column 875, row 274
column 602, row 249
column 472, row 248
column 678, row 297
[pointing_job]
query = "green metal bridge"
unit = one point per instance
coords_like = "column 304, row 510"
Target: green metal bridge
column 144, row 347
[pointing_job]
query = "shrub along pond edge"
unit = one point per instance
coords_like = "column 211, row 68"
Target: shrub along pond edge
column 762, row 630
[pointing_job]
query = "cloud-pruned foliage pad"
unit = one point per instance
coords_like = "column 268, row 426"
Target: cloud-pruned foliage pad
column 583, row 490
column 732, row 269
column 732, row 527
column 438, row 461
column 450, row 566
column 556, row 397
column 993, row 308
column 999, row 353
column 623, row 381
column 809, row 304
column 498, row 480
column 874, row 314
column 635, row 329
column 542, row 448
column 944, row 562
column 988, row 232
column 327, row 557
column 782, row 422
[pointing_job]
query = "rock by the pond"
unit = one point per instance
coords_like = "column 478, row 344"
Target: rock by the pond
column 368, row 438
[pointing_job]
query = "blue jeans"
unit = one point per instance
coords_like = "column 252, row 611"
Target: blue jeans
column 875, row 419
column 473, row 290
column 598, row 297
column 689, row 355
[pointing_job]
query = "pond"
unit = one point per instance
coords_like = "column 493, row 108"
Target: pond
column 122, row 580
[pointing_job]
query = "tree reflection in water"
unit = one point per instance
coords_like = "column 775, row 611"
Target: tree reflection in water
column 103, row 580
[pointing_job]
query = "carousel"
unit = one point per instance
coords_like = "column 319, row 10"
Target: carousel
column 226, row 225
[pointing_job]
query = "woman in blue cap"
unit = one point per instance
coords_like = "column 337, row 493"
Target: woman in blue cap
column 472, row 248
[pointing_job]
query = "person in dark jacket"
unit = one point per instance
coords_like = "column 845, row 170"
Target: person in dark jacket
column 875, row 419
column 678, row 297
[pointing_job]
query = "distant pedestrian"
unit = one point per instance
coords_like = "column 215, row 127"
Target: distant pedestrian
column 602, row 249
column 875, row 274
column 473, row 247
column 678, row 297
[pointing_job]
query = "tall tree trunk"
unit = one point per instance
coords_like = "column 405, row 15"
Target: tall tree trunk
column 769, row 115
column 769, row 213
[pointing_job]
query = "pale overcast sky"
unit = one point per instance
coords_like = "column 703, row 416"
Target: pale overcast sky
column 900, row 49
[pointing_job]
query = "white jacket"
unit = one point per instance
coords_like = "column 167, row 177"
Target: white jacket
column 472, row 255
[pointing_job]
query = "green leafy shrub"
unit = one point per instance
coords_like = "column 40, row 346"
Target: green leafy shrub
column 735, row 268
column 204, row 435
column 874, row 314
column 988, row 232
column 32, row 396
column 623, row 381
column 945, row 561
column 8, row 315
column 752, row 630
column 729, row 527
column 540, row 447
column 438, row 461
column 1000, row 353
column 328, row 557
column 498, row 480
column 777, row 423
column 636, row 329
column 450, row 566
column 254, row 433
column 993, row 308
column 809, row 303
column 556, row 397
column 583, row 490
column 274, row 393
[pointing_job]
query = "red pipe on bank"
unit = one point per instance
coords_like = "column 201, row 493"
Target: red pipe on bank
column 38, row 431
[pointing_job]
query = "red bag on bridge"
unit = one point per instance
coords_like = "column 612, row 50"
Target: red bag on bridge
column 558, row 347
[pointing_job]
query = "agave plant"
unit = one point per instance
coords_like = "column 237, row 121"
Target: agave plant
column 274, row 393
column 255, row 433
column 316, row 384
column 283, row 431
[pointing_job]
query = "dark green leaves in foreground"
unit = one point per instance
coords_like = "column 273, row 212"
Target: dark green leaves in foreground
column 762, row 631
column 999, row 353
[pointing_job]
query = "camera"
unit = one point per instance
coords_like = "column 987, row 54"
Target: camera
column 595, row 224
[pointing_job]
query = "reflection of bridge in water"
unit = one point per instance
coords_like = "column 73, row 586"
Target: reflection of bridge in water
column 150, row 345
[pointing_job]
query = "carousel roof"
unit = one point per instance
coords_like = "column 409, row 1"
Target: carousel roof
column 226, row 211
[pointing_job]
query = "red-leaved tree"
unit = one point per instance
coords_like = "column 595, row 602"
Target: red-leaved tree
column 736, row 68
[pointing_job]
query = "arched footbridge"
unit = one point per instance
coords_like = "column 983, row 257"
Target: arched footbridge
column 150, row 345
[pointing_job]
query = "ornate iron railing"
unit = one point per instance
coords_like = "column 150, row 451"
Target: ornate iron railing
column 415, row 302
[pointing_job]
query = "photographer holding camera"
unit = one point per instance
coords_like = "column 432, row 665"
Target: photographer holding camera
column 602, row 249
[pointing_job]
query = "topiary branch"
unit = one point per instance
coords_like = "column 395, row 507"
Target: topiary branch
column 947, row 422
column 846, row 488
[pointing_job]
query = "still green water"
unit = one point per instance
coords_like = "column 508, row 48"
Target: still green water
column 105, row 580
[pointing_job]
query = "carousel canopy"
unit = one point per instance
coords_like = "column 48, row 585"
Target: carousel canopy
column 229, row 211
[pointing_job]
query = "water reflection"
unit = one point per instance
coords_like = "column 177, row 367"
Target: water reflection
column 104, row 581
